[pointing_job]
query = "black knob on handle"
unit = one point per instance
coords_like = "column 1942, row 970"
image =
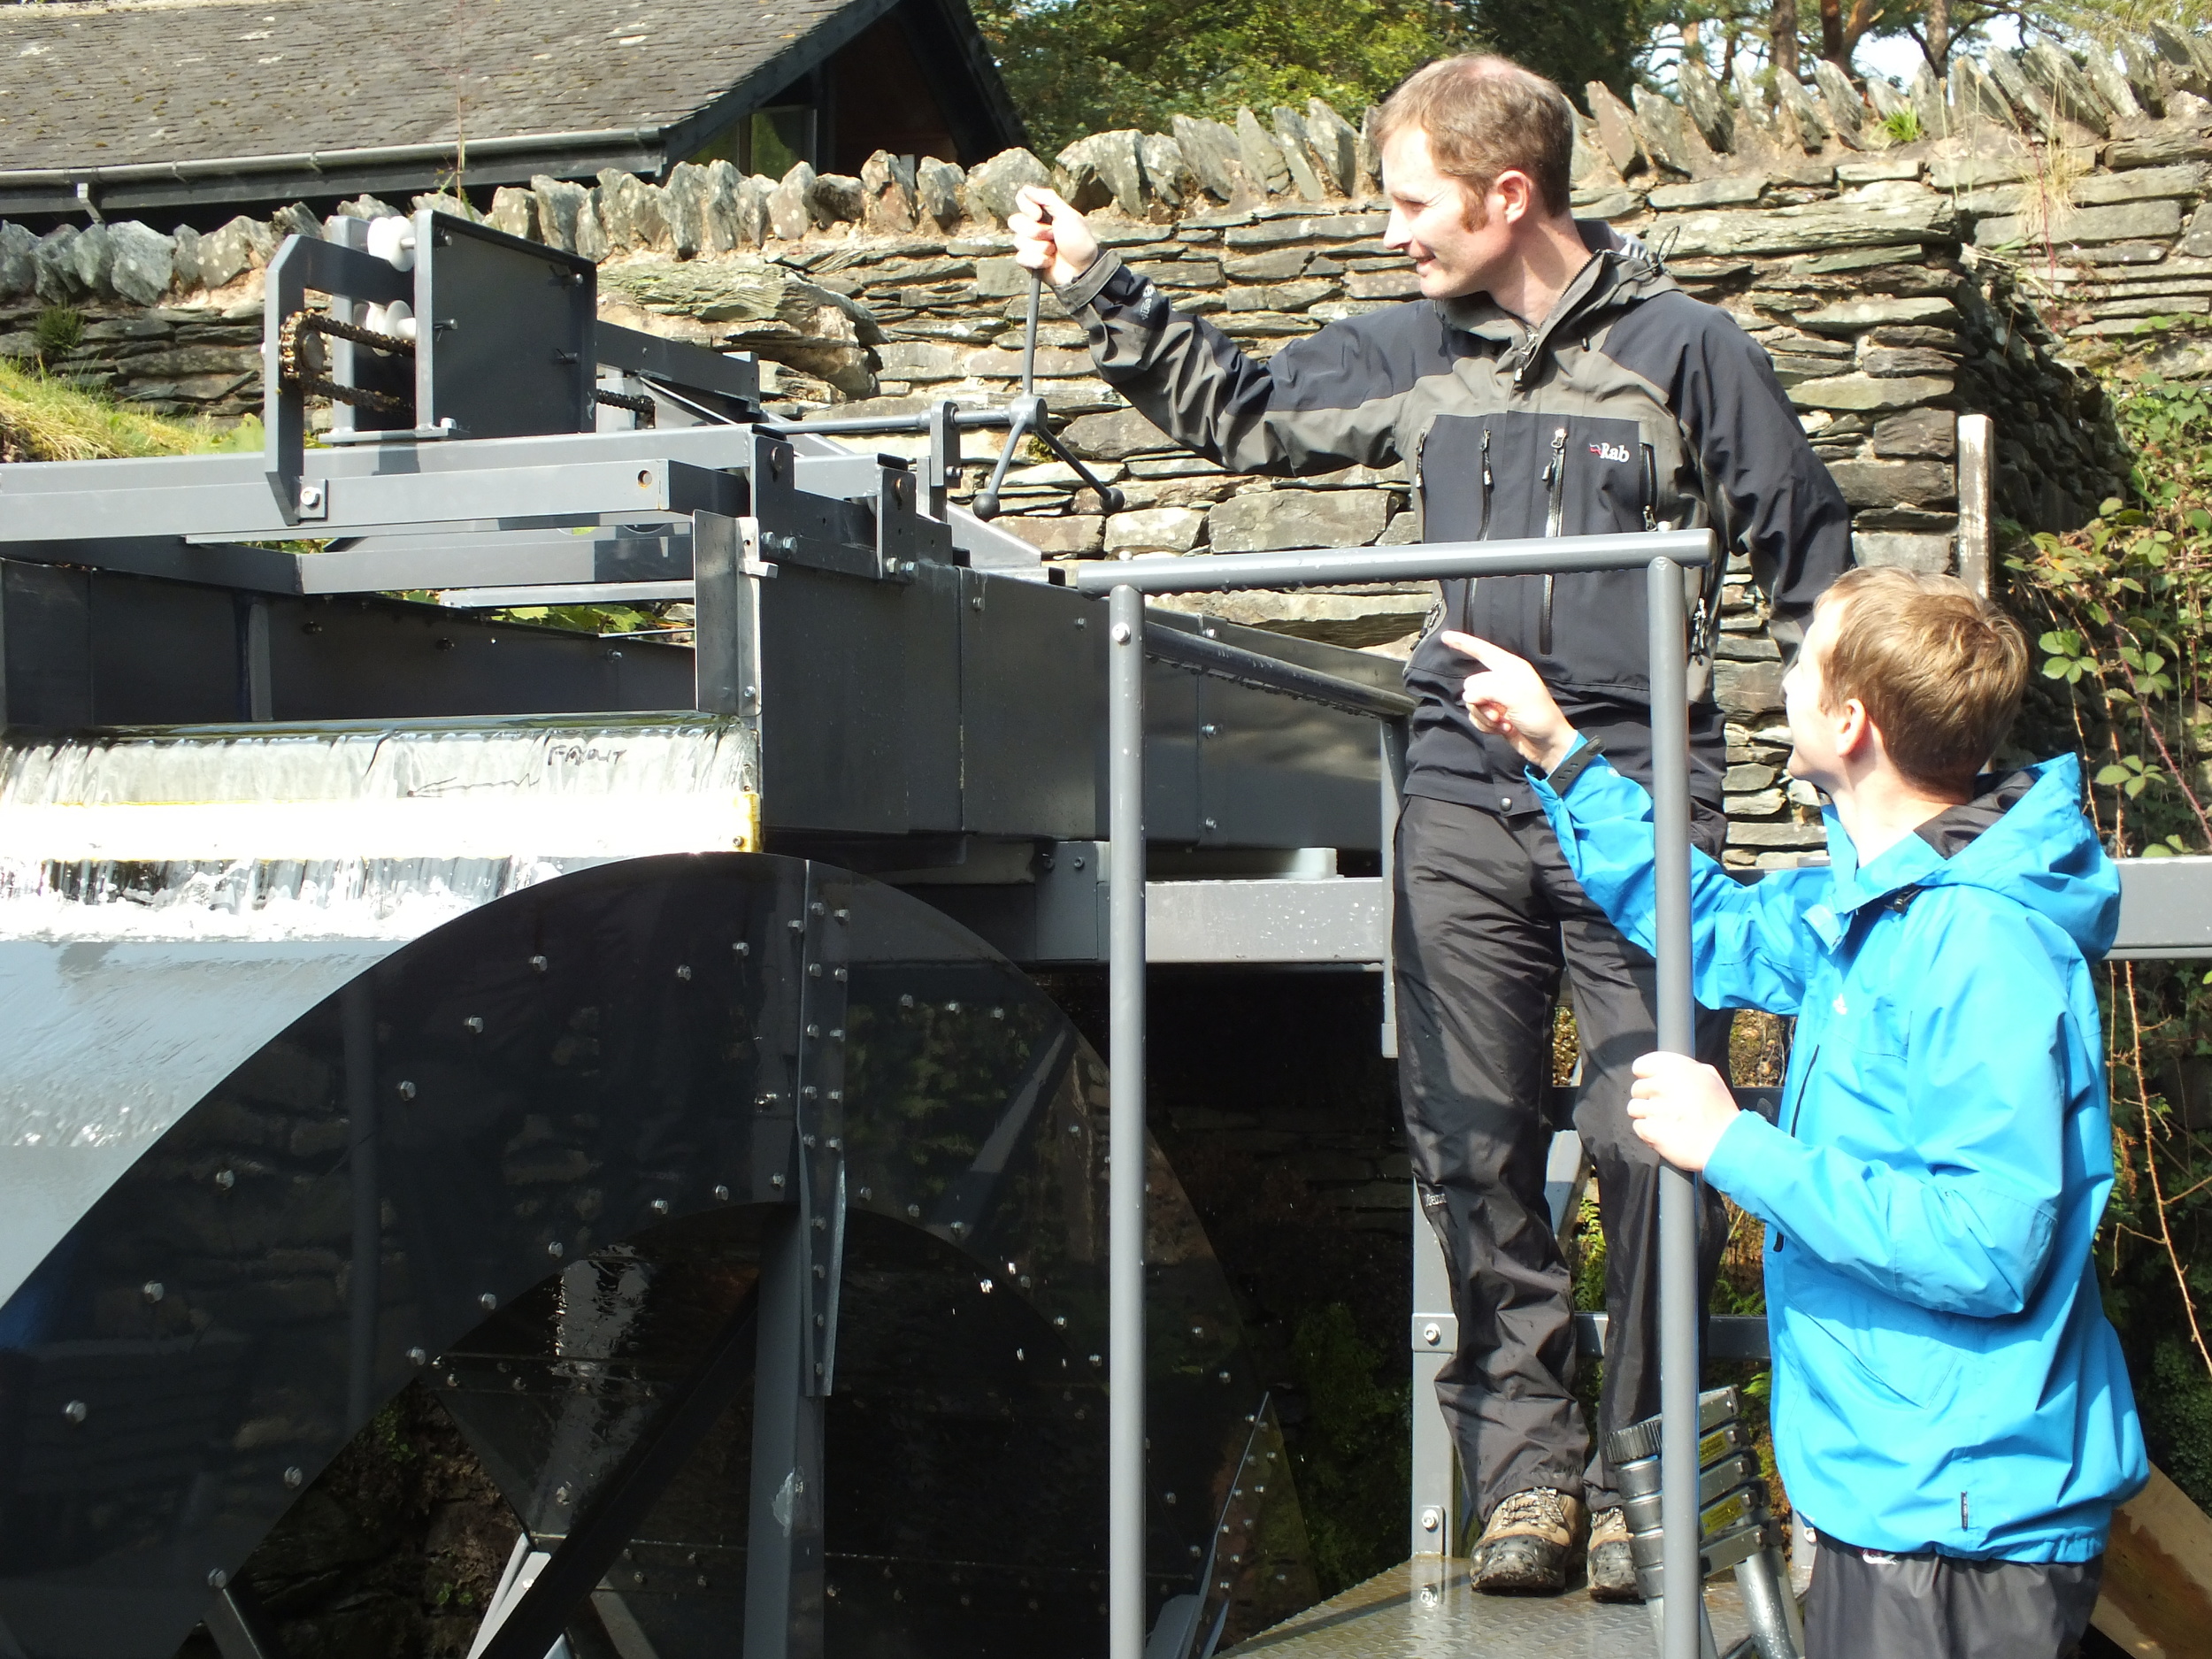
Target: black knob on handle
column 1112, row 500
column 986, row 504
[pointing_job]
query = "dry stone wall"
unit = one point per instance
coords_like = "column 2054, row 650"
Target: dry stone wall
column 1905, row 255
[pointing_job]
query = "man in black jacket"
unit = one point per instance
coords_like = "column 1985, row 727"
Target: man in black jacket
column 1551, row 381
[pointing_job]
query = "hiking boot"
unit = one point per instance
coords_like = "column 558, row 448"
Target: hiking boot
column 1612, row 1566
column 1529, row 1545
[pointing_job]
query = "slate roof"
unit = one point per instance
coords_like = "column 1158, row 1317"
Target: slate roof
column 144, row 82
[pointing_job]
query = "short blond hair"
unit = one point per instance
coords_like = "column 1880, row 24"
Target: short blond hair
column 1937, row 668
column 1482, row 116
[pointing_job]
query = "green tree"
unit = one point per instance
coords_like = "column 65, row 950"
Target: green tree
column 1079, row 66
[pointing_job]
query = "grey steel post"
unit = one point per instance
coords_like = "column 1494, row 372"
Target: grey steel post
column 1683, row 1580
column 357, row 1016
column 1124, row 1282
column 1391, row 758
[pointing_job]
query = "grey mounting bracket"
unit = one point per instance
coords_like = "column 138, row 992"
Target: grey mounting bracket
column 880, row 535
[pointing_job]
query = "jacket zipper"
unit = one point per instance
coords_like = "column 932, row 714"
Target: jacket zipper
column 1651, row 488
column 1797, row 1108
column 1555, row 478
column 1484, row 534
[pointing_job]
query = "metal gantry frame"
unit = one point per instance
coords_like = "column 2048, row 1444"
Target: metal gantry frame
column 1666, row 556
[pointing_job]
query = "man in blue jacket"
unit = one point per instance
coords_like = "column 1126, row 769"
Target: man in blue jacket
column 1951, row 1410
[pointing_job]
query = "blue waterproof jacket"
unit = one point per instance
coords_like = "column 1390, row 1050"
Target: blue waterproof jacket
column 1944, row 1375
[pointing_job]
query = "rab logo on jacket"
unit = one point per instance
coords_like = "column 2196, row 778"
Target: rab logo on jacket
column 1610, row 451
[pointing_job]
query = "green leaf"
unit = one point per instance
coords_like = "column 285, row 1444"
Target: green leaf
column 2112, row 774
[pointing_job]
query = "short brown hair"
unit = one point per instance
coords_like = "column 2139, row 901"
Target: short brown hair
column 1483, row 115
column 1937, row 668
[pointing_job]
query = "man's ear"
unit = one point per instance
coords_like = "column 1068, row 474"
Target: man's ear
column 1857, row 738
column 1516, row 195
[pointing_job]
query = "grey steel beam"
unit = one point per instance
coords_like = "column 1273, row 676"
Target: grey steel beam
column 509, row 559
column 581, row 491
column 2165, row 909
column 1204, row 655
column 1223, row 572
column 614, row 1512
column 241, row 1628
column 1339, row 921
column 1125, row 1278
column 1682, row 1582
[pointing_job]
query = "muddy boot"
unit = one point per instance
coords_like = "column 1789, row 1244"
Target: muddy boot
column 1531, row 1543
column 1612, row 1565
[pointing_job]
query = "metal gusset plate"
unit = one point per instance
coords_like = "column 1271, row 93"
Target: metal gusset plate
column 589, row 1118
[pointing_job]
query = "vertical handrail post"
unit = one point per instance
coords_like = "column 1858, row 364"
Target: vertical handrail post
column 1125, row 1151
column 1682, row 1584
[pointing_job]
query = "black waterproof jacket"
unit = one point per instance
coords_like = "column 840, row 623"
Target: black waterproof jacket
column 1633, row 407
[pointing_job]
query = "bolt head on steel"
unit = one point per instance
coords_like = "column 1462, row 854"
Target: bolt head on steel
column 721, row 1195
column 225, row 1179
column 553, row 1248
column 76, row 1411
column 295, row 1478
column 488, row 1302
column 660, row 1206
column 537, row 965
column 418, row 1357
column 1120, row 634
column 310, row 496
column 1432, row 1334
column 406, row 1091
column 154, row 1290
column 219, row 1579
column 1431, row 1519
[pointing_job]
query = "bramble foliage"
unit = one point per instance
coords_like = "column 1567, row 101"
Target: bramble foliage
column 2118, row 611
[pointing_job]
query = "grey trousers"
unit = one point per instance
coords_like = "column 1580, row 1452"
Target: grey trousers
column 1487, row 913
column 1939, row 1607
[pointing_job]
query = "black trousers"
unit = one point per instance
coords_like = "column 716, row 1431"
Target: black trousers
column 1486, row 915
column 1938, row 1607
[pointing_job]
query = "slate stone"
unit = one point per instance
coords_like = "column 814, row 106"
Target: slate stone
column 54, row 275
column 18, row 273
column 2139, row 62
column 1929, row 555
column 187, row 261
column 718, row 208
column 1754, row 119
column 2068, row 88
column 1262, row 156
column 2176, row 144
column 2124, row 221
column 1887, row 100
column 366, row 206
column 516, row 212
column 142, row 262
column 1929, row 103
column 1867, row 393
column 1851, row 316
column 1290, row 136
column 1075, row 534
column 991, row 184
column 1895, row 483
column 228, row 252
column 2029, row 103
column 683, row 204
column 1840, row 102
column 1169, row 178
column 1369, row 153
column 299, row 219
column 1659, row 129
column 789, row 217
column 91, row 257
column 1154, row 530
column 937, row 185
column 1335, row 146
column 1878, row 169
column 1798, row 107
column 1923, row 217
column 1974, row 97
column 560, row 204
column 1103, row 169
column 836, row 198
column 888, row 186
column 1117, row 435
column 1617, row 127
column 1208, row 147
column 1702, row 103
column 1736, row 189
column 1383, row 285
column 2101, row 190
column 754, row 191
column 1744, row 688
column 1276, row 265
column 440, row 201
column 630, row 213
column 1268, row 520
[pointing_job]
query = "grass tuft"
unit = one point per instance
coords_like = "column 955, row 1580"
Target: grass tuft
column 46, row 418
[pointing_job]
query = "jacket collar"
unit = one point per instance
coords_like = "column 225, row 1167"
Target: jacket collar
column 1621, row 271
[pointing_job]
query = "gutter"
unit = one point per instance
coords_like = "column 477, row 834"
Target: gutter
column 316, row 161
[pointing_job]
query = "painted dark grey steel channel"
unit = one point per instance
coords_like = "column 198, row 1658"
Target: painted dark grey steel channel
column 1201, row 654
column 1663, row 555
column 1225, row 573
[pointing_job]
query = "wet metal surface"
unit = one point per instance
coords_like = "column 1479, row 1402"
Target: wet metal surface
column 1425, row 1610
